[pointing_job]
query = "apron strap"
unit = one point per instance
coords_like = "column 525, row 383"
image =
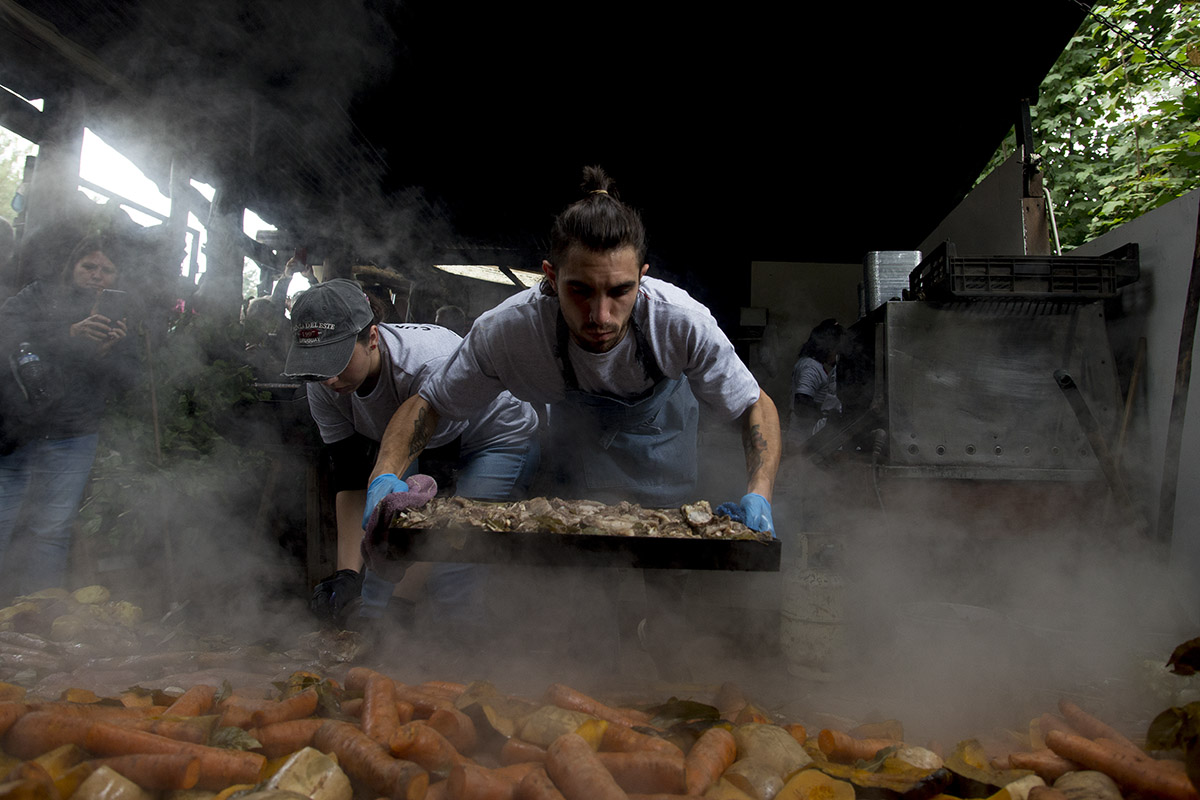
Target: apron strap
column 642, row 353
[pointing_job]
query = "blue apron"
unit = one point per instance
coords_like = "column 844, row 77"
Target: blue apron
column 641, row 450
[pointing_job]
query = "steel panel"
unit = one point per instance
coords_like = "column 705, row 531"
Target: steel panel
column 971, row 388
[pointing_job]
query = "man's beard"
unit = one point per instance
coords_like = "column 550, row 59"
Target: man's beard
column 587, row 341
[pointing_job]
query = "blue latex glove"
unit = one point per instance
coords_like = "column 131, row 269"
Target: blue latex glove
column 758, row 513
column 753, row 511
column 381, row 487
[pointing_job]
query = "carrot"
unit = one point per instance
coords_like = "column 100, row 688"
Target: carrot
column 457, row 727
column 196, row 730
column 1090, row 726
column 517, row 751
column 10, row 712
column 91, row 710
column 1137, row 774
column 405, row 710
column 351, row 707
column 450, row 689
column 192, row 703
column 156, row 770
column 473, row 782
column 218, row 767
column 711, row 755
column 647, row 772
column 369, row 763
column 537, row 786
column 1051, row 722
column 283, row 738
column 661, row 796
column 1045, row 763
column 518, row 771
column 298, row 706
column 577, row 772
column 356, row 678
column 379, row 718
column 620, row 739
column 437, row 791
column 39, row 732
column 797, row 731
column 844, row 748
column 421, row 744
column 574, row 700
column 1127, row 746
column 238, row 712
column 424, row 703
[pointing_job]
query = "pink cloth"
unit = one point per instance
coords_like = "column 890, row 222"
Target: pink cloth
column 421, row 489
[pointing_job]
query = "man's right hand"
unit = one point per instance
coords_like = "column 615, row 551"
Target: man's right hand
column 380, row 487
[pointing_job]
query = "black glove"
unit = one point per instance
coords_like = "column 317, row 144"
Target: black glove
column 332, row 596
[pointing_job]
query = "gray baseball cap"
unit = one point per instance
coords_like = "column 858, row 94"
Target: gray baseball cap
column 326, row 320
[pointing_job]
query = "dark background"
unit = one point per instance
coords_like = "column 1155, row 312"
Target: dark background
column 745, row 131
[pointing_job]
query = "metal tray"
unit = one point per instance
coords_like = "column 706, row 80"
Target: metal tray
column 543, row 548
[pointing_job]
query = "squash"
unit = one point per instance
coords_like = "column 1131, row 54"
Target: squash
column 812, row 784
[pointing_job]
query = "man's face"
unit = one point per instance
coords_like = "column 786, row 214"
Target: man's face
column 596, row 291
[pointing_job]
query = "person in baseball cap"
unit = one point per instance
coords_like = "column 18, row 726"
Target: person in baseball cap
column 326, row 321
column 358, row 370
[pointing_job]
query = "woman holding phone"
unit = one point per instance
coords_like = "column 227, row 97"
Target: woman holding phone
column 65, row 351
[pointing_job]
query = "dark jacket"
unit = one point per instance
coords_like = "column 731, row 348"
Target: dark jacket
column 80, row 379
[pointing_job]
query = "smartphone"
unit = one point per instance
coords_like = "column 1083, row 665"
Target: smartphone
column 112, row 304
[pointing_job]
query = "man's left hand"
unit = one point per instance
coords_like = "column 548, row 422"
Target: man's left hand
column 758, row 513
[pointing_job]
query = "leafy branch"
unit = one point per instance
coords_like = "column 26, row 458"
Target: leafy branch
column 1115, row 126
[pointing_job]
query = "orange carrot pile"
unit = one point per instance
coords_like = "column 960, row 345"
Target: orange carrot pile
column 441, row 740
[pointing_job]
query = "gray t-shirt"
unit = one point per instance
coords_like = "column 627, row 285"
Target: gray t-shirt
column 810, row 380
column 512, row 347
column 411, row 354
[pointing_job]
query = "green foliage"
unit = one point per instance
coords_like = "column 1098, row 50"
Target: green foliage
column 1115, row 129
column 145, row 475
column 13, row 150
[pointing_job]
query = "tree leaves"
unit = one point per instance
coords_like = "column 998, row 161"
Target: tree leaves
column 1116, row 127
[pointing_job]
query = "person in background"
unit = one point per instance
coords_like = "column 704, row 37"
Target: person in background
column 52, row 420
column 359, row 371
column 452, row 317
column 814, row 381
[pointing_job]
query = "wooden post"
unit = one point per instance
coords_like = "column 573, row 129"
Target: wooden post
column 1183, row 377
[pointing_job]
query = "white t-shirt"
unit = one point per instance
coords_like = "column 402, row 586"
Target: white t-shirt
column 414, row 353
column 512, row 347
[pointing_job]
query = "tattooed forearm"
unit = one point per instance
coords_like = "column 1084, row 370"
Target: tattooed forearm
column 422, row 432
column 756, row 446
